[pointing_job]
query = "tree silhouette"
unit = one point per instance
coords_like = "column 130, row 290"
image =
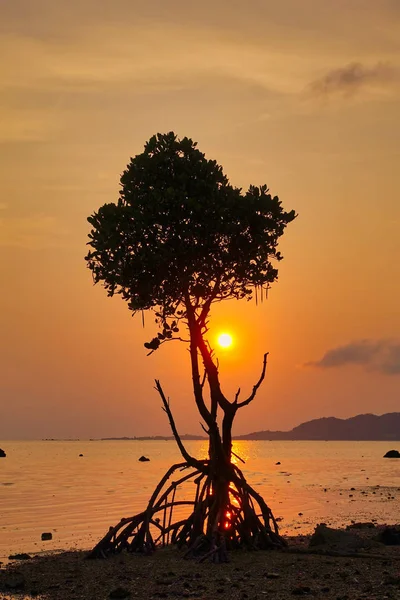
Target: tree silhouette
column 179, row 239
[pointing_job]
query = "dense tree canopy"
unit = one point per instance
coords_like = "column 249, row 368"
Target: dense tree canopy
column 180, row 229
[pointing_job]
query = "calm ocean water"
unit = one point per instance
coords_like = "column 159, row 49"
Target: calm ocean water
column 47, row 487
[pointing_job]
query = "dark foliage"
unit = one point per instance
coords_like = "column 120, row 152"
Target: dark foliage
column 179, row 227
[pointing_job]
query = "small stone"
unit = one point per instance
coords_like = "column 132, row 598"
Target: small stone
column 119, row 592
column 143, row 459
column 301, row 590
column 21, row 556
column 278, row 463
column 272, row 575
column 2, row 453
column 300, row 514
column 81, row 455
column 47, row 536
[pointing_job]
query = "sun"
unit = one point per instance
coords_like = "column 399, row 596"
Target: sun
column 225, row 340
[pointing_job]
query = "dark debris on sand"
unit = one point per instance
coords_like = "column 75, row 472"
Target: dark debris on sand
column 248, row 576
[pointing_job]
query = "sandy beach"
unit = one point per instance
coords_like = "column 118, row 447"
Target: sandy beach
column 367, row 570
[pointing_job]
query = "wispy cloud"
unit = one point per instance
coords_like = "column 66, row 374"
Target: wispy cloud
column 33, row 232
column 148, row 56
column 382, row 356
column 350, row 79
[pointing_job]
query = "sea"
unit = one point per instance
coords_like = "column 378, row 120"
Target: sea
column 46, row 486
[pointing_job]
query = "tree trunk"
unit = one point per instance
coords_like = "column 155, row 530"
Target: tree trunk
column 226, row 512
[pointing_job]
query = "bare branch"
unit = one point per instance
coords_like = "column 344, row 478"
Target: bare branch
column 204, row 379
column 257, row 385
column 237, row 456
column 204, row 429
column 171, row 339
column 237, row 396
column 189, row 459
column 206, row 307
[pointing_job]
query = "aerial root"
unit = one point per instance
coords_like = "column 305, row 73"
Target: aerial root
column 244, row 520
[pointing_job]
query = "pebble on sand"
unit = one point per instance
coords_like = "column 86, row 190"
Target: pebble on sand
column 119, row 592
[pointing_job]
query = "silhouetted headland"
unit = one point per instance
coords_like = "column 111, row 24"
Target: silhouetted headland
column 366, row 427
column 155, row 438
column 359, row 428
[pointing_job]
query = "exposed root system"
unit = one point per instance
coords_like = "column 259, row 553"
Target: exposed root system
column 213, row 523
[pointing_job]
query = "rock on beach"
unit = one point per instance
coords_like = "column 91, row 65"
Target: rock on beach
column 336, row 539
column 392, row 454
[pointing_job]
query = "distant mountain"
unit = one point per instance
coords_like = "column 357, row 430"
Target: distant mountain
column 359, row 428
column 155, row 438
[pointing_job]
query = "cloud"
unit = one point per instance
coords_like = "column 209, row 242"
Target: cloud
column 353, row 77
column 382, row 356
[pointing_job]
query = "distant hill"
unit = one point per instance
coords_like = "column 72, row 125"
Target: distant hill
column 155, row 438
column 359, row 428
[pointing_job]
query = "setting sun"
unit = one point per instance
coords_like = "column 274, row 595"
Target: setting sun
column 225, row 340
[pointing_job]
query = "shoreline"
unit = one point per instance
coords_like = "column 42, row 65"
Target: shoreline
column 371, row 571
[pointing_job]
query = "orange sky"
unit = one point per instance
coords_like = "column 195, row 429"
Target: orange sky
column 303, row 96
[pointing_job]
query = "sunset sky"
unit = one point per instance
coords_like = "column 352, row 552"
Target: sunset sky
column 301, row 95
